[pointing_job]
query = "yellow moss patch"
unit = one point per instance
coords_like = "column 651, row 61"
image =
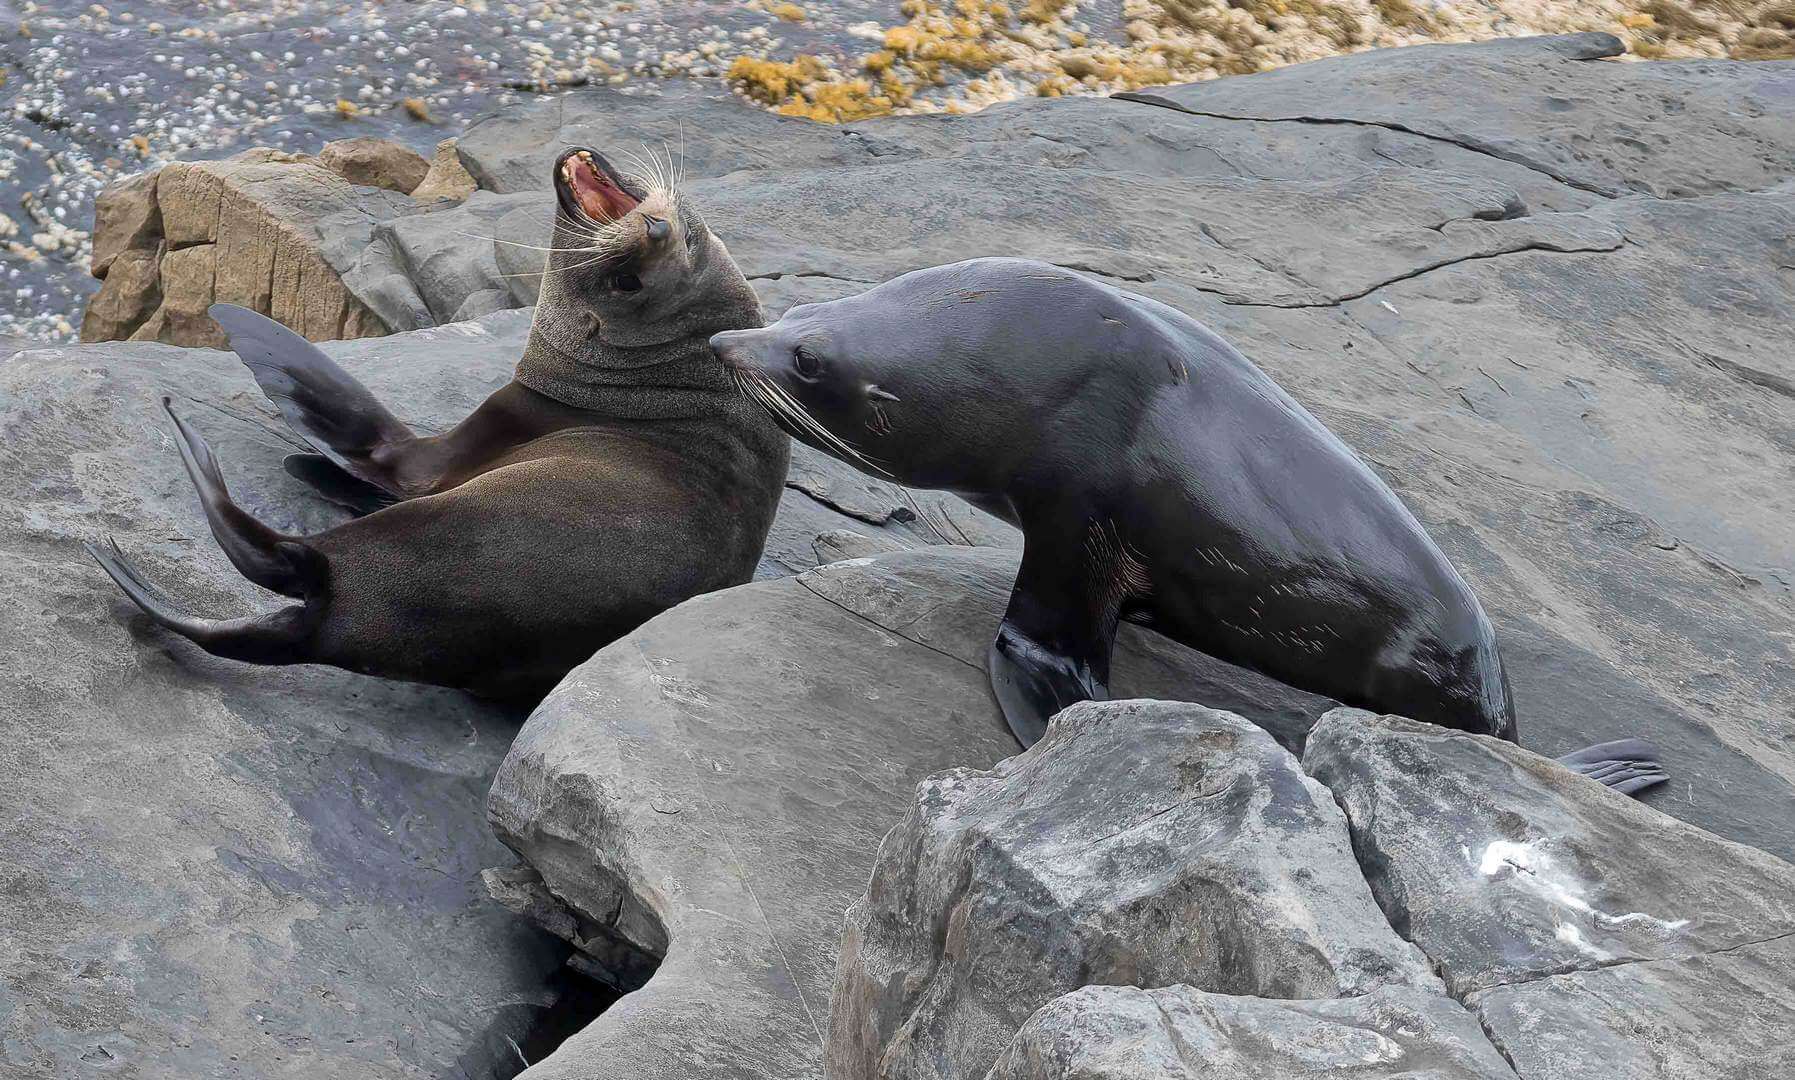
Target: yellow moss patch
column 790, row 12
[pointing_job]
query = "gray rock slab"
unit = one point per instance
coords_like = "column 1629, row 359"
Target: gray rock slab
column 712, row 789
column 1719, row 1016
column 1552, row 104
column 1505, row 867
column 1181, row 1033
column 1143, row 843
column 216, row 870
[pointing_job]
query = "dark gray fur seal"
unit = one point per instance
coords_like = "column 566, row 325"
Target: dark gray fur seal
column 619, row 474
column 1157, row 475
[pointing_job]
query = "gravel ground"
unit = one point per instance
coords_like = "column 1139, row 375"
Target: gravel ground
column 94, row 91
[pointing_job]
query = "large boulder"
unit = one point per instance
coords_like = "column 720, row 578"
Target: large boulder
column 266, row 230
column 1181, row 1033
column 1593, row 936
column 1140, row 843
column 710, row 791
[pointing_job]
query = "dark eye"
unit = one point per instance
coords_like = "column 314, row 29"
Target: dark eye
column 691, row 238
column 806, row 362
column 627, row 282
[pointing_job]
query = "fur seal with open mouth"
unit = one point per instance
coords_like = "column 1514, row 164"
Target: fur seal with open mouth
column 1157, row 475
column 619, row 474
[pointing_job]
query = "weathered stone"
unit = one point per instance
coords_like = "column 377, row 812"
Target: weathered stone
column 373, row 162
column 447, row 179
column 1503, row 866
column 213, row 869
column 708, row 791
column 125, row 219
column 188, row 279
column 1180, row 1033
column 130, row 295
column 1544, row 104
column 1718, row 1016
column 270, row 231
column 1143, row 843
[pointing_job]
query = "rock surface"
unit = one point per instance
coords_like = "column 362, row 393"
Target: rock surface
column 372, row 162
column 261, row 229
column 1180, row 1033
column 215, row 870
column 1594, row 937
column 711, row 794
column 1504, row 867
column 1139, row 843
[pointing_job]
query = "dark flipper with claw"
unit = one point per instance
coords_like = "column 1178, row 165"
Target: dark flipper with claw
column 1626, row 765
column 279, row 637
column 1053, row 647
column 321, row 402
column 253, row 548
column 337, row 484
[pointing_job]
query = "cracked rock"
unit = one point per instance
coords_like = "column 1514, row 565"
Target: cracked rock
column 1724, row 1015
column 1505, row 867
column 1143, row 843
column 1181, row 1033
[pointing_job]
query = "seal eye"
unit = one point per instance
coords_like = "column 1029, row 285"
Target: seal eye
column 627, row 282
column 806, row 362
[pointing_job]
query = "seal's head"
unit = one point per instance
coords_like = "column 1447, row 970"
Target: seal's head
column 628, row 254
column 872, row 379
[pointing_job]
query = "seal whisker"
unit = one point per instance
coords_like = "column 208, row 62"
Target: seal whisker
column 802, row 415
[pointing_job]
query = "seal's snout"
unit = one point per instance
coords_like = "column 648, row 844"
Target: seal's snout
column 736, row 348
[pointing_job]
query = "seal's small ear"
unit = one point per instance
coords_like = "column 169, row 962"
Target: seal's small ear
column 879, row 394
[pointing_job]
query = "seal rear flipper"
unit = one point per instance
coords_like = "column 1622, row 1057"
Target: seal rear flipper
column 1053, row 646
column 322, row 403
column 337, row 484
column 279, row 637
column 1626, row 765
column 252, row 547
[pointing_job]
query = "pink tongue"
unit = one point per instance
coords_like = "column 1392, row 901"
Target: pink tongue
column 601, row 199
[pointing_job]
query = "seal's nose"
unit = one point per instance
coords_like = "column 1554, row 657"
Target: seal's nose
column 657, row 228
column 733, row 347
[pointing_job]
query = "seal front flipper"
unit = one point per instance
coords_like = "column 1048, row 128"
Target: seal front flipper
column 322, row 403
column 337, row 484
column 1054, row 644
column 1626, row 765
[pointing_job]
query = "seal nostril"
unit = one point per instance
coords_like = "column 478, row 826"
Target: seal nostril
column 657, row 228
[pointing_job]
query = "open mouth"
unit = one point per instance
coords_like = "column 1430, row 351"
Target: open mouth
column 587, row 186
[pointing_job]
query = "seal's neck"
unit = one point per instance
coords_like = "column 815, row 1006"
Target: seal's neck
column 653, row 365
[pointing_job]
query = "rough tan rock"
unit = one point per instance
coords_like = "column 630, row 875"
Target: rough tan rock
column 448, row 178
column 372, row 162
column 125, row 217
column 272, row 231
column 130, row 292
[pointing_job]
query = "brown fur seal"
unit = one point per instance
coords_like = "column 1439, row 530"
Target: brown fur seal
column 1158, row 475
column 619, row 474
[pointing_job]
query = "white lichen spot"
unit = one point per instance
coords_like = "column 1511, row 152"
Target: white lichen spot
column 1529, row 866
